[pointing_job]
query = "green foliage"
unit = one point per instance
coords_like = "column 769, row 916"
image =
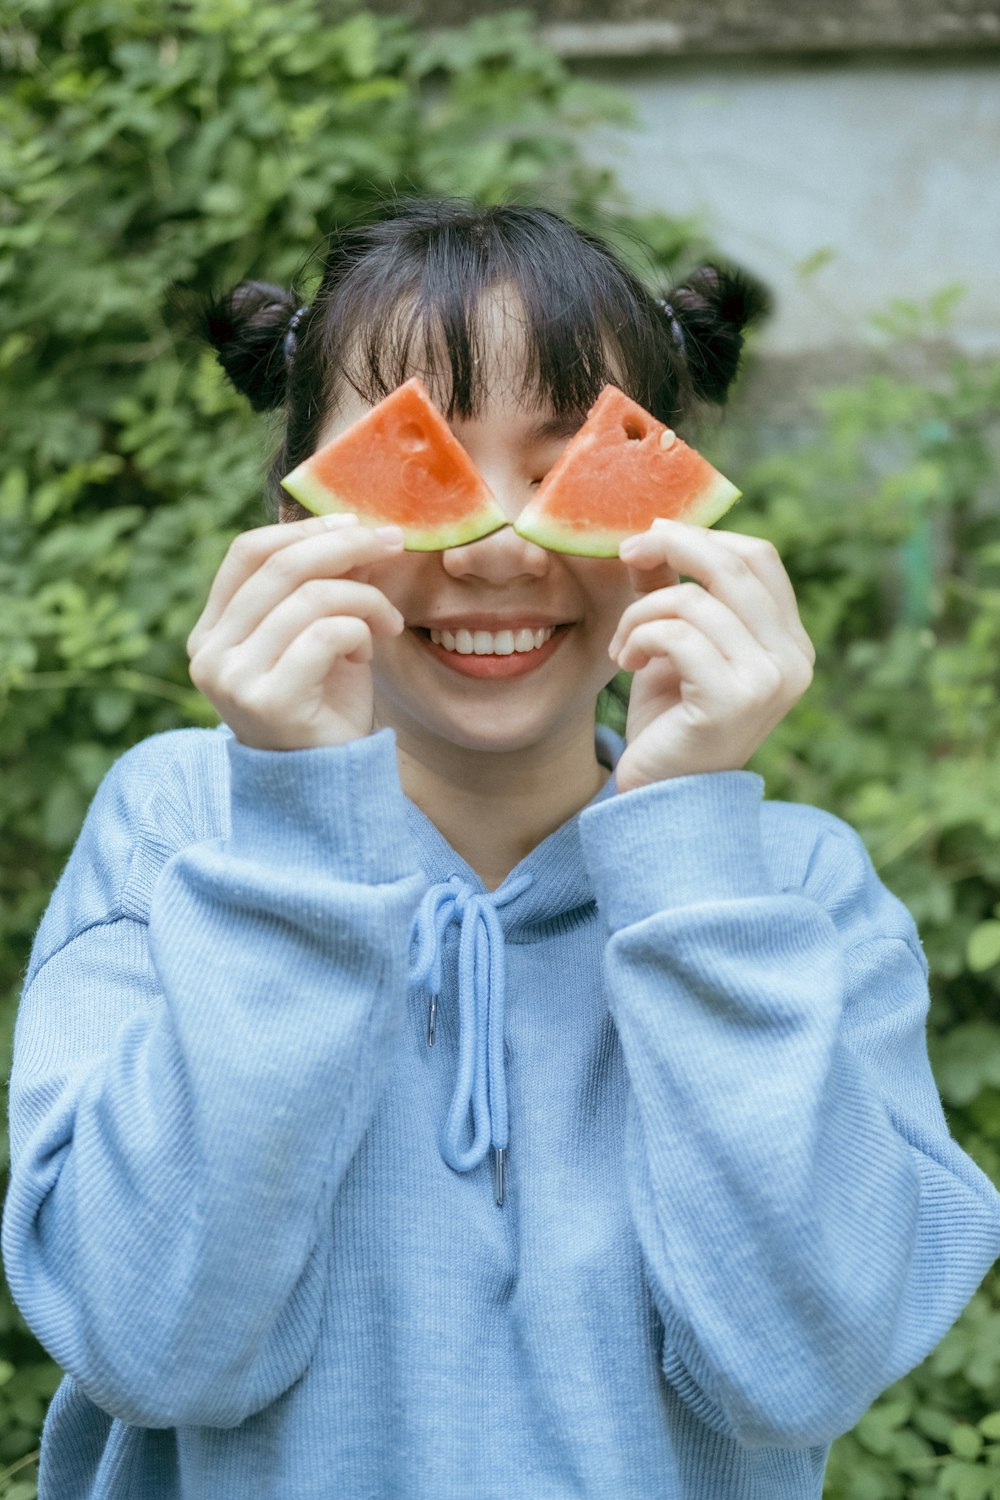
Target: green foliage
column 889, row 526
column 148, row 154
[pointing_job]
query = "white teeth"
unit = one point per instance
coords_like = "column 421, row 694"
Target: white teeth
column 486, row 643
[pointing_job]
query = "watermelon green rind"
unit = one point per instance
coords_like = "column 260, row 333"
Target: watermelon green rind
column 323, row 501
column 591, row 541
column 441, row 538
column 301, row 485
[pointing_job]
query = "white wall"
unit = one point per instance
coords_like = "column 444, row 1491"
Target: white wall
column 889, row 172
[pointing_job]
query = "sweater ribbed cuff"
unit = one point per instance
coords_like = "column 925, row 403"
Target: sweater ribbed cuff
column 677, row 843
column 339, row 808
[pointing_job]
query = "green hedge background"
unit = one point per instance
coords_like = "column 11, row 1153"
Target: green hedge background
column 147, row 153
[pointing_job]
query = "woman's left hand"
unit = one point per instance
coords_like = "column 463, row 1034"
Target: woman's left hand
column 718, row 662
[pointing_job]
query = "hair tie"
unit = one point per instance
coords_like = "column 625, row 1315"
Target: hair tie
column 290, row 337
column 676, row 330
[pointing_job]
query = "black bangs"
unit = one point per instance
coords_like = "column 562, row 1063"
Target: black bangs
column 508, row 300
column 442, row 290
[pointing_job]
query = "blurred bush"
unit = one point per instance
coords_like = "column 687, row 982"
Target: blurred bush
column 889, row 524
column 148, row 154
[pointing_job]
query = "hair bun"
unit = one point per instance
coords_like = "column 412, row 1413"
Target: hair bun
column 247, row 327
column 714, row 306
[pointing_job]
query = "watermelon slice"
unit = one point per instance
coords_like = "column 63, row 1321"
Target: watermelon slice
column 615, row 476
column 400, row 464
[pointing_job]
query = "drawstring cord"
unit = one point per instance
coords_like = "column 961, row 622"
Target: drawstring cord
column 480, row 1081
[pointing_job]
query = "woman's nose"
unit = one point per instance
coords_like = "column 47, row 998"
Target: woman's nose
column 497, row 558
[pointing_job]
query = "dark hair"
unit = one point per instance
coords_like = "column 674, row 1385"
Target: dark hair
column 404, row 293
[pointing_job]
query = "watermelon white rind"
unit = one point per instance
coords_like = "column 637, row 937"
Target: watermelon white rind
column 595, row 541
column 325, row 502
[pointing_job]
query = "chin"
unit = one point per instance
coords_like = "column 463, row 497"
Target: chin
column 497, row 737
column 500, row 729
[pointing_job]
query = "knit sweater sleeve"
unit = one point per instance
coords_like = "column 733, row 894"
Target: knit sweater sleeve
column 200, row 1046
column 809, row 1227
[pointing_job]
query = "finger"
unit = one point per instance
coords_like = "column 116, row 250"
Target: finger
column 320, row 646
column 697, row 662
column 723, row 569
column 690, row 602
column 248, row 552
column 763, row 558
column 647, row 566
column 316, row 599
column 330, row 552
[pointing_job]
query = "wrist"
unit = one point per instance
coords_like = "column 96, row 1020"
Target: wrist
column 633, row 773
column 686, row 840
column 339, row 807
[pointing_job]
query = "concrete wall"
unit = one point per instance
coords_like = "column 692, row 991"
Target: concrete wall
column 844, row 182
column 848, row 151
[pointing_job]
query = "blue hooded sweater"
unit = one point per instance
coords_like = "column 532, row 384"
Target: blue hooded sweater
column 254, row 1214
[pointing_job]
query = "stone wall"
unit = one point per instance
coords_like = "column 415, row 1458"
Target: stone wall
column 588, row 27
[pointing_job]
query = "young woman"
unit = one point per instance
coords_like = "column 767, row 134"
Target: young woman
column 420, row 1095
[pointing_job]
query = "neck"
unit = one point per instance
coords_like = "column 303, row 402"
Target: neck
column 495, row 807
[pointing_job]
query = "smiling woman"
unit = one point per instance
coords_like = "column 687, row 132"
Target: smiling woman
column 515, row 321
column 418, row 1094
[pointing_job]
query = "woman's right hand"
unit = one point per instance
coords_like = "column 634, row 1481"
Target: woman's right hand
column 284, row 644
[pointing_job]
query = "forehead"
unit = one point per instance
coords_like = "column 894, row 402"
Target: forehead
column 521, row 421
column 478, row 354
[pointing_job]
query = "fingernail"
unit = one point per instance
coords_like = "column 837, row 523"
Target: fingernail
column 341, row 518
column 630, row 547
column 391, row 535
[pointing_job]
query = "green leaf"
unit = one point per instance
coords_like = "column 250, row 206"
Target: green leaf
column 968, row 1061
column 965, row 1441
column 877, row 1428
column 983, row 949
column 965, row 1481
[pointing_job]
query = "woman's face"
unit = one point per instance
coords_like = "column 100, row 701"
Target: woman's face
column 538, row 623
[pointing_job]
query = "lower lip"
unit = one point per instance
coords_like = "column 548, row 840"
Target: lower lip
column 517, row 664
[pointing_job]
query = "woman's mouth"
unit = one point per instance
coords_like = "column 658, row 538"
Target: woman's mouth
column 493, row 653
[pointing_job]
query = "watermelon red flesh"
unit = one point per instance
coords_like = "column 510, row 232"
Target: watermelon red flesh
column 400, row 464
column 621, row 471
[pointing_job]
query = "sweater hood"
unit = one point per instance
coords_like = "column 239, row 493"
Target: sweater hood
column 559, row 887
column 548, row 890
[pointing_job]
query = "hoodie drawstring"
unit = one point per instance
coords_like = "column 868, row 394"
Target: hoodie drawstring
column 480, row 1082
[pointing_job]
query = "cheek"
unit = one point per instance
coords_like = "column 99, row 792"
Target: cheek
column 404, row 580
column 606, row 584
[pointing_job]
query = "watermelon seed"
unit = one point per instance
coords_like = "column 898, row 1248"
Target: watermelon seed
column 667, row 438
column 633, row 431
